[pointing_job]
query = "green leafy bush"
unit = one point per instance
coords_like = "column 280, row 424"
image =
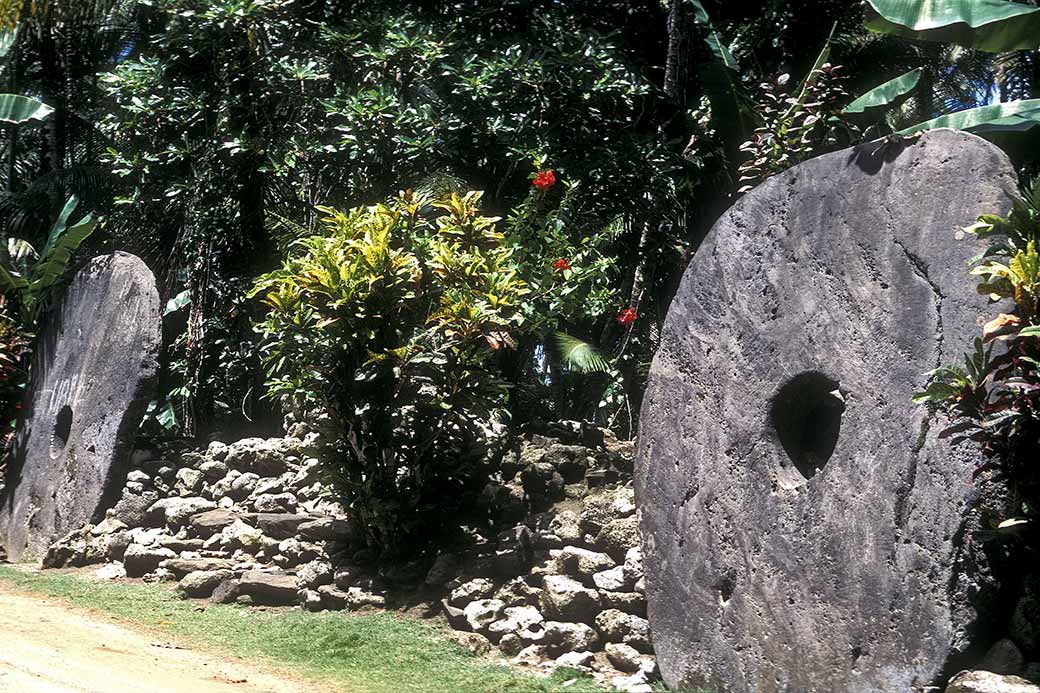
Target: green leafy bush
column 796, row 126
column 229, row 122
column 390, row 321
column 994, row 398
column 28, row 280
column 14, row 348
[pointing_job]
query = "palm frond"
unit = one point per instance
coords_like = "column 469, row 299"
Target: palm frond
column 579, row 355
column 1018, row 75
column 440, row 183
column 284, row 230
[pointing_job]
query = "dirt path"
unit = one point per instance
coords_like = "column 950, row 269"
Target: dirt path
column 47, row 646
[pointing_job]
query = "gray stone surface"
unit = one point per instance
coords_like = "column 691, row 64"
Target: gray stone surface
column 988, row 682
column 794, row 539
column 269, row 588
column 91, row 376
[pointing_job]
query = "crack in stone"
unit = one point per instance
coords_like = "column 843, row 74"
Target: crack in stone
column 920, row 268
column 902, row 510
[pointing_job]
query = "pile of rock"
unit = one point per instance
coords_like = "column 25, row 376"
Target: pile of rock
column 557, row 581
column 247, row 521
column 580, row 601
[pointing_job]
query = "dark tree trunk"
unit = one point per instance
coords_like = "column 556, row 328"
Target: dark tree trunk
column 53, row 96
column 680, row 42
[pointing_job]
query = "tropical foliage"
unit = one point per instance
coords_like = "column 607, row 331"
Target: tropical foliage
column 390, row 321
column 230, row 124
column 14, row 348
column 28, row 277
column 217, row 139
column 797, row 125
column 994, row 398
column 28, row 280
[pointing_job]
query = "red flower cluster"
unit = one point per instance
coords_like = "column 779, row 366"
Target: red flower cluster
column 561, row 265
column 544, row 180
column 627, row 316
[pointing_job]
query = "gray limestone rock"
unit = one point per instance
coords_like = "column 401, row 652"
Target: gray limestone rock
column 1025, row 620
column 189, row 482
column 315, row 574
column 567, row 599
column 310, row 600
column 208, row 523
column 182, row 566
column 133, row 509
column 617, row 626
column 226, row 592
column 582, row 661
column 517, row 592
column 94, row 366
column 618, row 537
column 612, row 580
column 360, row 598
column 583, row 563
column 513, row 620
column 176, row 512
column 333, row 598
column 988, row 682
column 214, row 469
column 475, row 643
column 276, row 503
column 1003, row 658
column 629, row 602
column 259, row 456
column 139, row 559
column 562, row 635
column 482, row 613
column 478, row 588
column 201, row 583
column 269, row 588
column 243, row 485
column 625, row 657
column 281, row 525
column 804, row 526
column 324, row 529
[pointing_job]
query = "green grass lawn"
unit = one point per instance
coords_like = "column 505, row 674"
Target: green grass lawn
column 363, row 654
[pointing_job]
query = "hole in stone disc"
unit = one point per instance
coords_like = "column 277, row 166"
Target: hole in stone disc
column 62, row 428
column 806, row 414
column 725, row 587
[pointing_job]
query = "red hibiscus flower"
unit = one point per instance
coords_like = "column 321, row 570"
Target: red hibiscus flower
column 561, row 265
column 627, row 316
column 544, row 180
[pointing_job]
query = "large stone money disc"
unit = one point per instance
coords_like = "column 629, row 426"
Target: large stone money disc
column 804, row 525
column 97, row 356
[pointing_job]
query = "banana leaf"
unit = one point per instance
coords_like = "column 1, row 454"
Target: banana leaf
column 994, row 26
column 19, row 250
column 812, row 77
column 10, row 281
column 53, row 263
column 177, row 302
column 62, row 242
column 731, row 106
column 17, row 110
column 886, row 95
column 995, row 119
column 58, row 228
column 8, row 37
